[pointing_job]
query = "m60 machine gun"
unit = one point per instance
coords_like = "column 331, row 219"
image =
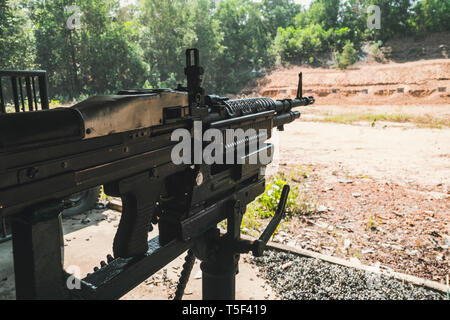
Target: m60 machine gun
column 126, row 143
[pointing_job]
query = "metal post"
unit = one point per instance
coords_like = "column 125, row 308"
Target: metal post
column 300, row 86
column 219, row 277
column 29, row 93
column 21, row 94
column 220, row 269
column 34, row 94
column 43, row 91
column 37, row 251
column 2, row 101
column 15, row 93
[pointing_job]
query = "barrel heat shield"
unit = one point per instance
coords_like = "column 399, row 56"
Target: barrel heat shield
column 242, row 107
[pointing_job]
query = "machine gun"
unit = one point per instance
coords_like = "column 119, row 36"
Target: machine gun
column 125, row 142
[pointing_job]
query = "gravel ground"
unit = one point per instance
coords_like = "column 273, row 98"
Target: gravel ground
column 298, row 278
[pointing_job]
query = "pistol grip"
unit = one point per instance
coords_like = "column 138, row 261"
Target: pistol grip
column 139, row 197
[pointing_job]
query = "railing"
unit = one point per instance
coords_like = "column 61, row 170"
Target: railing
column 23, row 86
column 27, row 91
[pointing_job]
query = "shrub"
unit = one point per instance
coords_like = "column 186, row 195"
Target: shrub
column 267, row 203
column 347, row 57
column 307, row 44
column 376, row 52
column 300, row 45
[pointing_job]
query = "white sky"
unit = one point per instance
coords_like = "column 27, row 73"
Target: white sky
column 305, row 3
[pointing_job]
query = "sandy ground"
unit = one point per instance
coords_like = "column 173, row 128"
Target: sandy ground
column 86, row 244
column 382, row 193
column 436, row 111
column 387, row 152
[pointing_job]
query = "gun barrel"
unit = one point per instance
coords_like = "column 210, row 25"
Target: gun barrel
column 242, row 107
column 287, row 104
column 286, row 118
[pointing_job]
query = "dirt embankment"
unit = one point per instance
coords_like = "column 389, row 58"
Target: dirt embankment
column 419, row 82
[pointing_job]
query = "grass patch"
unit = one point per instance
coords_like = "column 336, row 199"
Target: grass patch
column 298, row 203
column 260, row 211
column 103, row 195
column 431, row 122
column 267, row 203
column 426, row 120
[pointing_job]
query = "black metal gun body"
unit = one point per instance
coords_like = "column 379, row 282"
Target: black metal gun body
column 124, row 143
column 53, row 154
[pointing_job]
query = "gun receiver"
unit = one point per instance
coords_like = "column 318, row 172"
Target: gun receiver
column 124, row 142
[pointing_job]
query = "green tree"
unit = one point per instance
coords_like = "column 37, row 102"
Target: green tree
column 325, row 13
column 302, row 45
column 431, row 16
column 395, row 16
column 16, row 39
column 96, row 56
column 278, row 14
column 141, row 45
column 347, row 57
column 109, row 60
column 164, row 33
column 245, row 44
column 208, row 38
column 56, row 47
column 354, row 17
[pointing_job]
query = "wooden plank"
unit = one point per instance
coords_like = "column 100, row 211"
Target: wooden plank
column 115, row 204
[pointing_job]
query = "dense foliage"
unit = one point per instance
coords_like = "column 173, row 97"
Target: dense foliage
column 328, row 25
column 112, row 46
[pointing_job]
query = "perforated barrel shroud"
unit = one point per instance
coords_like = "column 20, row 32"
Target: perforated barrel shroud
column 242, row 107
